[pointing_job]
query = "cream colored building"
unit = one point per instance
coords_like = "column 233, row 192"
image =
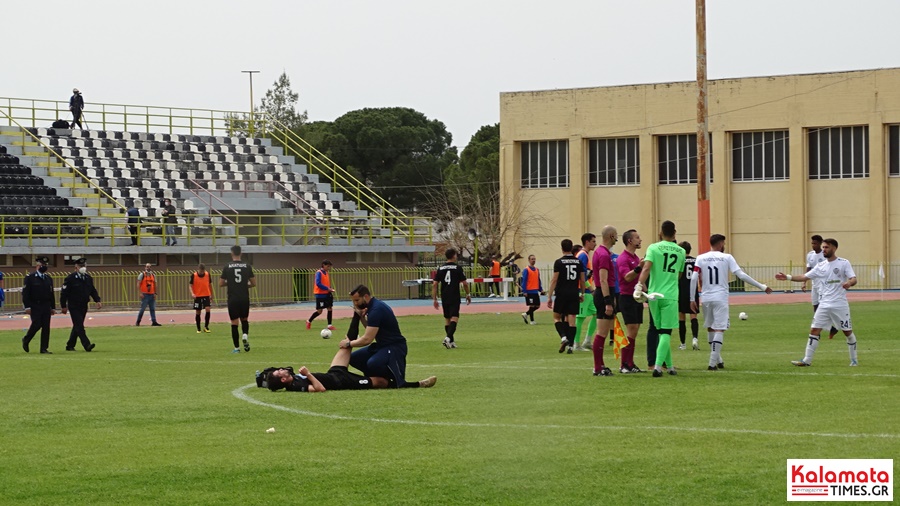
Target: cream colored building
column 791, row 156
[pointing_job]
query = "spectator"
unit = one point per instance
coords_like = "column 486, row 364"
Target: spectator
column 76, row 105
column 170, row 221
column 134, row 218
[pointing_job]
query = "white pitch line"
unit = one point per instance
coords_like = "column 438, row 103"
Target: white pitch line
column 240, row 393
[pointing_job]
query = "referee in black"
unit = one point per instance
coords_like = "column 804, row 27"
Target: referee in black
column 238, row 277
column 77, row 291
column 40, row 303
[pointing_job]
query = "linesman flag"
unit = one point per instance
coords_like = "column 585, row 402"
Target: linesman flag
column 620, row 341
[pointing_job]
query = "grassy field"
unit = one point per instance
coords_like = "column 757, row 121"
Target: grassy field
column 167, row 416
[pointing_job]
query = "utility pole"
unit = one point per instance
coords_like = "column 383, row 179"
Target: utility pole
column 250, row 73
column 702, row 133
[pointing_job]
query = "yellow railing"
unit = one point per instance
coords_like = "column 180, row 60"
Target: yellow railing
column 56, row 161
column 204, row 230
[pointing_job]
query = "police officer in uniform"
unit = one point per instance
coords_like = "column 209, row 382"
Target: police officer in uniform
column 40, row 303
column 77, row 290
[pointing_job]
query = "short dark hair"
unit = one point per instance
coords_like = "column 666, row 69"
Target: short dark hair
column 326, row 262
column 236, row 250
column 450, row 253
column 716, row 239
column 274, row 383
column 832, row 242
column 817, row 238
column 361, row 290
column 577, row 248
column 686, row 246
column 587, row 236
column 668, row 228
column 626, row 237
column 566, row 245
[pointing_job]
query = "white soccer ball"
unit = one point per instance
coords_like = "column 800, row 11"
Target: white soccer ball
column 325, row 333
column 743, row 316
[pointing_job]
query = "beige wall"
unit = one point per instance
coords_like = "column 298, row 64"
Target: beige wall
column 766, row 222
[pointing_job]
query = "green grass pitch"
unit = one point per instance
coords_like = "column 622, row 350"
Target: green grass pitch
column 162, row 416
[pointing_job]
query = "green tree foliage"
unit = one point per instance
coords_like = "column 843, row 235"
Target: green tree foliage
column 280, row 103
column 397, row 151
column 479, row 164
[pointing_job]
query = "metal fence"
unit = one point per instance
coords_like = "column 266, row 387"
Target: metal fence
column 285, row 286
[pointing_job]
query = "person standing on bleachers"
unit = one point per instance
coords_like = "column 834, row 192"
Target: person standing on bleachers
column 170, row 221
column 133, row 220
column 76, row 105
column 40, row 303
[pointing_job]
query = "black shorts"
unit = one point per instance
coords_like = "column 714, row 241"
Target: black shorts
column 632, row 310
column 532, row 299
column 339, row 378
column 324, row 302
column 600, row 306
column 201, row 303
column 238, row 309
column 566, row 304
column 451, row 308
column 684, row 304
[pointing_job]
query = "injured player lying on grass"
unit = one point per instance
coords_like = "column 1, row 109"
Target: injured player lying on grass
column 338, row 377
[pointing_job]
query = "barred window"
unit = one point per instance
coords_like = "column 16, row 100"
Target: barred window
column 760, row 156
column 838, row 152
column 614, row 162
column 545, row 164
column 894, row 156
column 678, row 159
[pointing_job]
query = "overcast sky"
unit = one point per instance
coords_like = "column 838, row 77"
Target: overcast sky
column 448, row 60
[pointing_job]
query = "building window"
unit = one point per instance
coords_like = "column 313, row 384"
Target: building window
column 838, row 152
column 678, row 159
column 894, row 155
column 545, row 164
column 760, row 156
column 614, row 162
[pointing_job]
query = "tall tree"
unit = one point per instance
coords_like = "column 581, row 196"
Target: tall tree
column 280, row 103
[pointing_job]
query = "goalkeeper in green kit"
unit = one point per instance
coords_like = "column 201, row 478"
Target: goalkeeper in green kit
column 663, row 265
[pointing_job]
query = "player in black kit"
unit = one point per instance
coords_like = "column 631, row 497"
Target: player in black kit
column 238, row 277
column 568, row 286
column 449, row 277
column 684, row 299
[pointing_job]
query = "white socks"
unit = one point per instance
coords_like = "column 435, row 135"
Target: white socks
column 812, row 346
column 715, row 345
column 851, row 345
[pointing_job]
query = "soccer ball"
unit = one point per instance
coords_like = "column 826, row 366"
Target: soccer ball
column 742, row 316
column 325, row 333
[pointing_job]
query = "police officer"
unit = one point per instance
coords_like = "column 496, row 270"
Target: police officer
column 77, row 290
column 40, row 302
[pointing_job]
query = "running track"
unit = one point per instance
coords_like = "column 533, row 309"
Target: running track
column 300, row 312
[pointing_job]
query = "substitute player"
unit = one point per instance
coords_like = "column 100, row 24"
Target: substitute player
column 568, row 286
column 835, row 276
column 238, row 277
column 449, row 276
column 324, row 292
column 532, row 288
column 712, row 269
column 684, row 300
column 663, row 265
column 201, row 290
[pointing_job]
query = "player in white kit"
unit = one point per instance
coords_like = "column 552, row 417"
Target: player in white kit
column 712, row 269
column 834, row 277
column 813, row 258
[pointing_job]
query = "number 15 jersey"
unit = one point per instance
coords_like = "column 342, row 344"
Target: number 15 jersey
column 668, row 262
column 570, row 270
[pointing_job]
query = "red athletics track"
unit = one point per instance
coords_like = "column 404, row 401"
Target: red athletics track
column 300, row 312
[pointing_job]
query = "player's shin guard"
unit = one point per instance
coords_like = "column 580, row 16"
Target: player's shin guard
column 664, row 350
column 695, row 328
column 570, row 334
column 314, row 316
column 851, row 345
column 715, row 349
column 235, row 336
column 560, row 328
column 451, row 330
column 597, row 348
column 197, row 321
column 245, row 326
column 330, row 313
column 811, row 346
column 208, row 315
column 682, row 330
column 579, row 323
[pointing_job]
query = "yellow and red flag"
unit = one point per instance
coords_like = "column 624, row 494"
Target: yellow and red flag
column 620, row 341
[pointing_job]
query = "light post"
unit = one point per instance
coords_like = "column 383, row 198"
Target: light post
column 250, row 73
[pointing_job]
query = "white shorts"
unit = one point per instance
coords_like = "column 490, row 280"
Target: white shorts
column 827, row 317
column 815, row 294
column 715, row 315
